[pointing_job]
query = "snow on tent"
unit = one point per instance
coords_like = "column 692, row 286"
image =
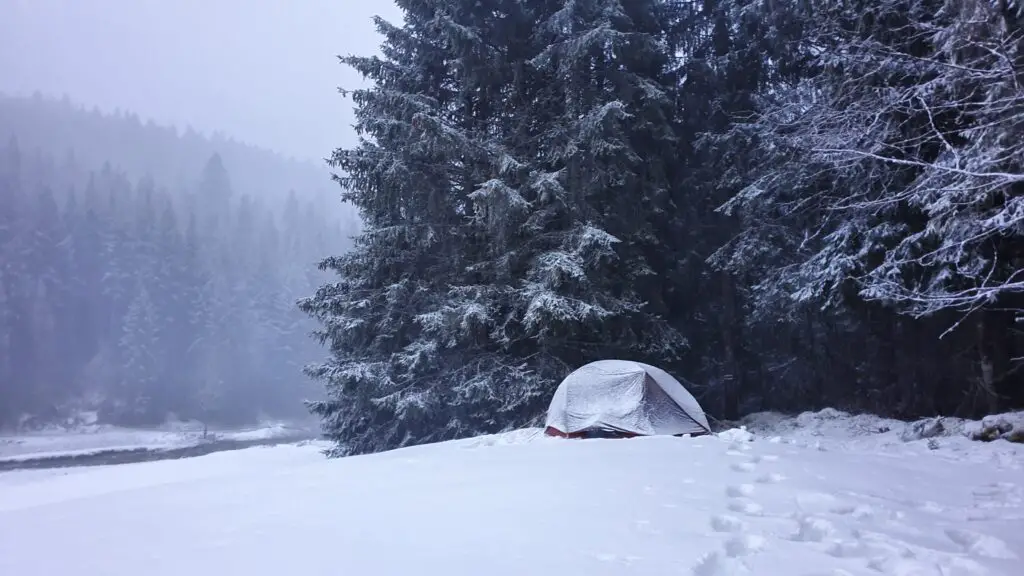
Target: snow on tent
column 620, row 398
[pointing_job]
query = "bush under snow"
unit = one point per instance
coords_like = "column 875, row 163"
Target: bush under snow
column 833, row 423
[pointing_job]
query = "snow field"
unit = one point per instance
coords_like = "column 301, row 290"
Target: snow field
column 522, row 503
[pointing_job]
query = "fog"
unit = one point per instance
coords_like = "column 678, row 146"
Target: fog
column 262, row 71
column 164, row 204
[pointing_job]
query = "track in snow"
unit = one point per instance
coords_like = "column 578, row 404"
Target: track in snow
column 859, row 550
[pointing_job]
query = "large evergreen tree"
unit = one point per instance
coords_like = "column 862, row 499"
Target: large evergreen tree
column 514, row 151
column 400, row 177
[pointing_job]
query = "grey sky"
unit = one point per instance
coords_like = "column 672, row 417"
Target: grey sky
column 262, row 71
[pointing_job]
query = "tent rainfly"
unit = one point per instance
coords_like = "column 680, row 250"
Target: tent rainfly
column 623, row 398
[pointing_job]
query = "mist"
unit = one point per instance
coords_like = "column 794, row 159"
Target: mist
column 262, row 71
column 164, row 203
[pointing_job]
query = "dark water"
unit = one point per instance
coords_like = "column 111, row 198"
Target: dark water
column 108, row 457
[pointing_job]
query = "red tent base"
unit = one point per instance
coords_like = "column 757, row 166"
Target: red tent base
column 552, row 431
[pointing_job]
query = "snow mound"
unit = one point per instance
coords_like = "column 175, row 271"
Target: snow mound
column 514, row 437
column 521, row 503
column 832, row 423
column 826, row 422
column 1008, row 426
column 736, row 435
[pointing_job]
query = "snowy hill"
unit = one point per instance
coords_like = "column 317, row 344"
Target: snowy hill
column 522, row 503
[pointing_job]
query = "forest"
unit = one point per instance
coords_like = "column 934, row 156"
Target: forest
column 147, row 274
column 790, row 204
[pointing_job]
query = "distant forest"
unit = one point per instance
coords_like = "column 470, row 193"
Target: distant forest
column 147, row 274
column 790, row 204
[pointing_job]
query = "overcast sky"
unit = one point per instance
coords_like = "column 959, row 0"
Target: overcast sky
column 262, row 71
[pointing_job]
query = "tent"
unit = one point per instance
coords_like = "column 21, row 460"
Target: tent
column 621, row 398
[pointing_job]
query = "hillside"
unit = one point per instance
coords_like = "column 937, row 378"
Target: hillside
column 147, row 276
column 169, row 155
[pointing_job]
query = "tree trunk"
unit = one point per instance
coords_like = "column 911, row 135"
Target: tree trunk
column 993, row 358
column 732, row 377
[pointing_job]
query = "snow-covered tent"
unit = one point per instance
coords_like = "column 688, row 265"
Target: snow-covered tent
column 623, row 398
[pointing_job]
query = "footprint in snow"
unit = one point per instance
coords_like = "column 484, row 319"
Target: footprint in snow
column 718, row 564
column 863, row 549
column 739, row 490
column 727, row 561
column 812, row 529
column 743, row 466
column 743, row 545
column 745, row 506
column 770, row 478
column 978, row 544
column 726, row 523
column 858, row 511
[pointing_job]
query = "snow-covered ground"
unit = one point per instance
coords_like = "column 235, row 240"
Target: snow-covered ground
column 91, row 439
column 830, row 500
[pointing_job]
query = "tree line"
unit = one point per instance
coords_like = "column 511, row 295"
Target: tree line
column 791, row 204
column 142, row 300
column 169, row 155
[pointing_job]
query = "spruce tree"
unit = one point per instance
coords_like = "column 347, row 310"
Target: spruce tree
column 567, row 263
column 601, row 178
column 139, row 352
column 403, row 177
column 517, row 150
